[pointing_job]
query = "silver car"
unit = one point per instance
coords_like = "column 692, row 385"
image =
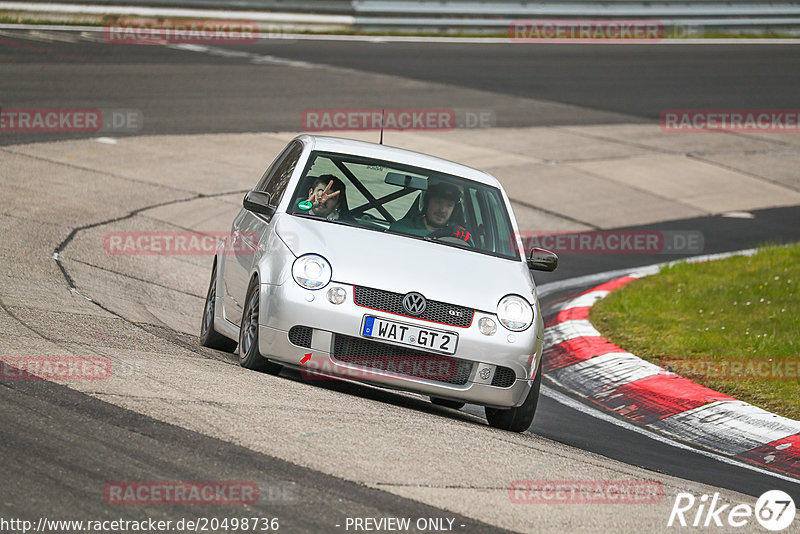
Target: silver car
column 366, row 262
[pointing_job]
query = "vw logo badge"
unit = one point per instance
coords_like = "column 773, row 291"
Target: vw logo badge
column 485, row 373
column 414, row 303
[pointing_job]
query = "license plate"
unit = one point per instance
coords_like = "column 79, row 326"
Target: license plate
column 408, row 334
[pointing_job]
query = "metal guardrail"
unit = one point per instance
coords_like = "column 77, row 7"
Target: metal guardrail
column 494, row 16
column 474, row 8
column 475, row 15
column 571, row 7
column 500, row 23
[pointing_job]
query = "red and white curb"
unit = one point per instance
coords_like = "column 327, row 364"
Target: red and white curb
column 578, row 359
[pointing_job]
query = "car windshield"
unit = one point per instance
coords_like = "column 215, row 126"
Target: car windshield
column 404, row 200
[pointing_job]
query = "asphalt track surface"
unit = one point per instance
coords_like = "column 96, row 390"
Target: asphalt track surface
column 64, row 467
column 180, row 91
column 222, row 89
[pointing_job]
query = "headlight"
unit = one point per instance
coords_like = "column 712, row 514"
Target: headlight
column 515, row 313
column 311, row 271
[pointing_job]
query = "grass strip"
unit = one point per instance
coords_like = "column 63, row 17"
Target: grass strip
column 732, row 325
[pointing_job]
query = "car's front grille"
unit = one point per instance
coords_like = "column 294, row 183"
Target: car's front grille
column 300, row 336
column 439, row 312
column 504, row 377
column 375, row 356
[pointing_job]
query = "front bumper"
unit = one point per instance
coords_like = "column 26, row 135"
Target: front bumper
column 288, row 305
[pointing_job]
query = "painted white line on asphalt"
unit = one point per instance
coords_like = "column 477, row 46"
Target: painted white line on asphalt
column 589, row 279
column 738, row 215
column 583, row 301
column 593, row 279
column 257, row 59
column 42, row 36
column 597, row 414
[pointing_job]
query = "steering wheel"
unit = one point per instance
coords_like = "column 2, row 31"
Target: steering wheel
column 444, row 231
column 452, row 233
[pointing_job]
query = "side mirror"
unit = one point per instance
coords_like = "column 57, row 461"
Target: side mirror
column 258, row 202
column 540, row 259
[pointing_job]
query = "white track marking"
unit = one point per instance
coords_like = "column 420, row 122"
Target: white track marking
column 59, row 37
column 602, row 375
column 42, row 36
column 738, row 215
column 585, row 300
column 589, row 279
column 597, row 414
column 731, row 427
column 258, row 59
column 569, row 330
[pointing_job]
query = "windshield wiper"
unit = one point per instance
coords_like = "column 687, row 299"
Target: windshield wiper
column 437, row 239
column 335, row 221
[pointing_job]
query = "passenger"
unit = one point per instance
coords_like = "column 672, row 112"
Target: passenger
column 327, row 198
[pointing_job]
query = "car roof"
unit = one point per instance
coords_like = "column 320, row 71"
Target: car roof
column 397, row 155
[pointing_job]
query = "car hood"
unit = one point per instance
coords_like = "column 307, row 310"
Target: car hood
column 401, row 264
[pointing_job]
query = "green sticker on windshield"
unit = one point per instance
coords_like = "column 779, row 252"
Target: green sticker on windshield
column 305, row 205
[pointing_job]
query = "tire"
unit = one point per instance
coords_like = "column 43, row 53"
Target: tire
column 447, row 403
column 208, row 336
column 249, row 357
column 517, row 419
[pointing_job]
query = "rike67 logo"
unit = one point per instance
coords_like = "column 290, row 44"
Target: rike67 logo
column 774, row 510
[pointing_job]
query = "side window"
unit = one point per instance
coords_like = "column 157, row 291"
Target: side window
column 277, row 177
column 506, row 243
column 271, row 169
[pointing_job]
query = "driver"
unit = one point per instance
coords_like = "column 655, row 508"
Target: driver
column 440, row 202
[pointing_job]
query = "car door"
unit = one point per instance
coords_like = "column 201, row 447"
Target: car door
column 249, row 229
